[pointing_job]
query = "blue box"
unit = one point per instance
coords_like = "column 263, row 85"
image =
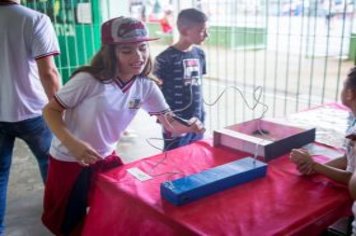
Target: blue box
column 190, row 188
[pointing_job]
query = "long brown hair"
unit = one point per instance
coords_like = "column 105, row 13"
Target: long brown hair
column 103, row 66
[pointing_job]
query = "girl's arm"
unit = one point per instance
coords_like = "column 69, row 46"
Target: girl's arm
column 82, row 152
column 334, row 169
column 176, row 125
column 340, row 163
column 334, row 173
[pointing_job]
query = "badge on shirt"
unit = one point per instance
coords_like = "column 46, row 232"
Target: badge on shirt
column 135, row 103
column 191, row 71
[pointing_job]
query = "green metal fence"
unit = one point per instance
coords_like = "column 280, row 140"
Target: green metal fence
column 77, row 24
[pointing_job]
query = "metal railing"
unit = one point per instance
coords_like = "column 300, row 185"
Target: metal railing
column 298, row 51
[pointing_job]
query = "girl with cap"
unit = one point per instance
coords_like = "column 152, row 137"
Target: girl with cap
column 88, row 114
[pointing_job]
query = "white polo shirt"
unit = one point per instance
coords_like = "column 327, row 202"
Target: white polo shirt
column 25, row 35
column 351, row 151
column 351, row 166
column 98, row 113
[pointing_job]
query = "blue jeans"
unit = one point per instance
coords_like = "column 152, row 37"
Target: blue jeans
column 38, row 137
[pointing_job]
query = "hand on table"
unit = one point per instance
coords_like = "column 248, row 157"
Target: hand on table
column 303, row 160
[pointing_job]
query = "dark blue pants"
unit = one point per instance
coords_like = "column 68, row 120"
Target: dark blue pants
column 38, row 137
column 172, row 143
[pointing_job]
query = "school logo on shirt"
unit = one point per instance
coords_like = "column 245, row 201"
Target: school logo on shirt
column 191, row 71
column 135, row 103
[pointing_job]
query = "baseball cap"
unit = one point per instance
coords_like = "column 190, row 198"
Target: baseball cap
column 124, row 30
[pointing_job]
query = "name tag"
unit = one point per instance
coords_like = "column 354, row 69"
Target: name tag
column 139, row 174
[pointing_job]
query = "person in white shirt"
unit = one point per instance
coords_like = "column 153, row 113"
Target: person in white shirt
column 28, row 78
column 352, row 189
column 89, row 114
column 342, row 169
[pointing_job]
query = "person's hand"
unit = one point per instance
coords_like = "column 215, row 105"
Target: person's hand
column 196, row 125
column 83, row 152
column 303, row 160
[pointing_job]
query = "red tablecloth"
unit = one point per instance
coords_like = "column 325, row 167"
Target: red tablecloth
column 282, row 203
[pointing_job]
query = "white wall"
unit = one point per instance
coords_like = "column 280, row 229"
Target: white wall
column 114, row 8
column 183, row 4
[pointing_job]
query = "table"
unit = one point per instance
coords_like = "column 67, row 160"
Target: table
column 282, row 203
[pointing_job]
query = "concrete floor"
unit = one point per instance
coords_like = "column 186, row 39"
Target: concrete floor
column 24, row 202
column 24, row 207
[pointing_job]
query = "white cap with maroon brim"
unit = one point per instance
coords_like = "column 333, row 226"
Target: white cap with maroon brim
column 124, row 30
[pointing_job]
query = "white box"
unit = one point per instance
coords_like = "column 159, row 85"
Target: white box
column 266, row 138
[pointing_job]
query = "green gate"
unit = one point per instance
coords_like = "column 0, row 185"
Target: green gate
column 77, row 24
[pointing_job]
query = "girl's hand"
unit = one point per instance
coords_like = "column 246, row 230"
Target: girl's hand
column 303, row 160
column 83, row 153
column 306, row 168
column 177, row 125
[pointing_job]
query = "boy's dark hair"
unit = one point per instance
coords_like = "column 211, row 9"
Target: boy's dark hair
column 351, row 78
column 190, row 16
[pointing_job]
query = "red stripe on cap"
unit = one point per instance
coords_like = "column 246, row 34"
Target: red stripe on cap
column 106, row 36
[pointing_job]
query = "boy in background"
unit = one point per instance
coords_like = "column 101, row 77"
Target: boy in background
column 181, row 68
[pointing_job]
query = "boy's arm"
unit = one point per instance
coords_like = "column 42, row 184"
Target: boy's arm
column 49, row 75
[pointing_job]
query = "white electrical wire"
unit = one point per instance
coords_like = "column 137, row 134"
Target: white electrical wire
column 257, row 96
